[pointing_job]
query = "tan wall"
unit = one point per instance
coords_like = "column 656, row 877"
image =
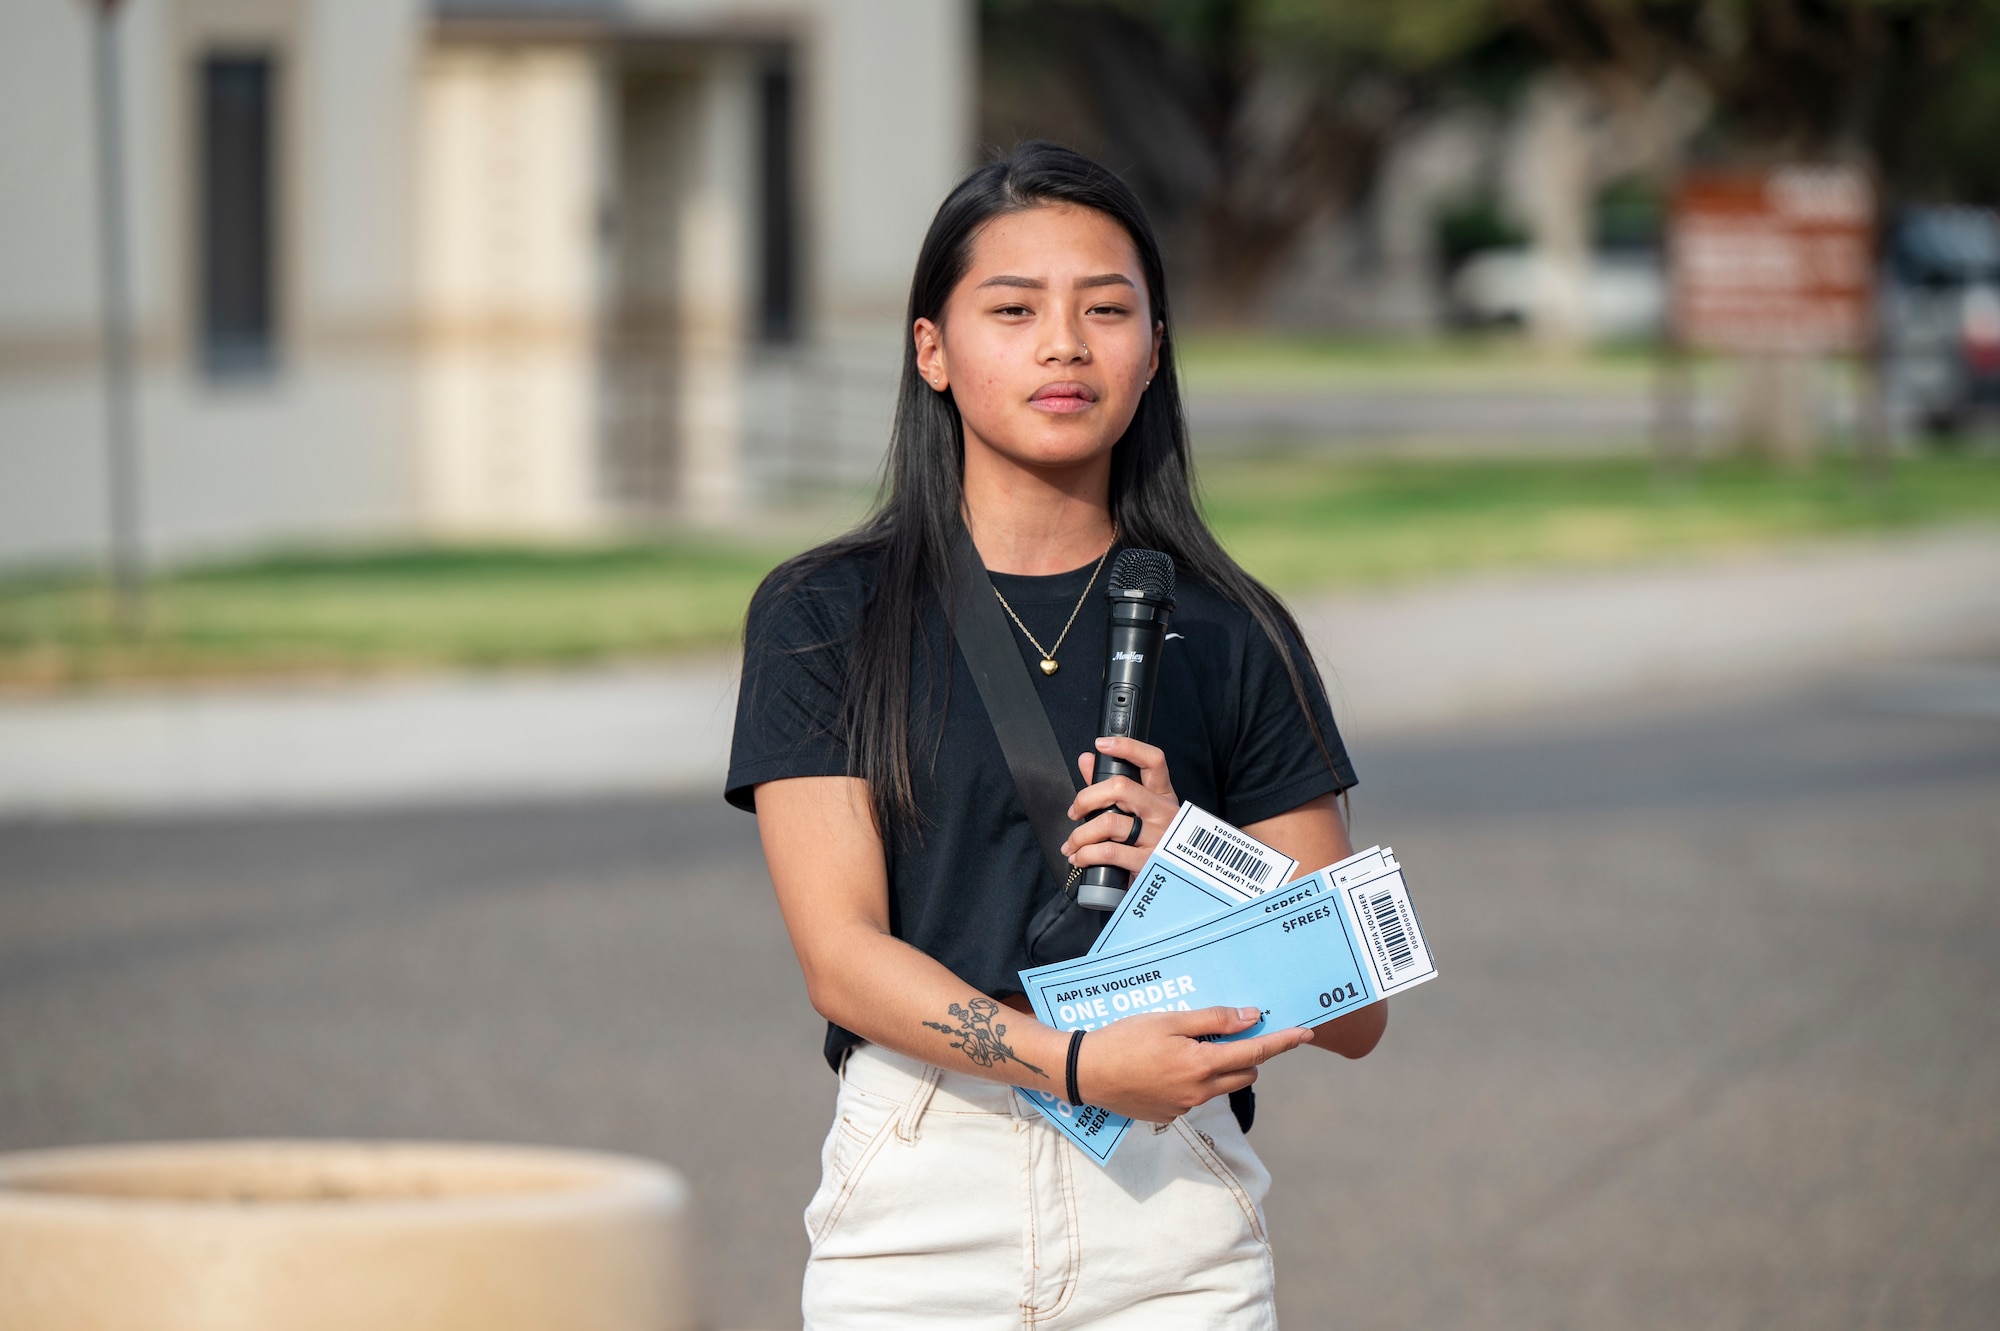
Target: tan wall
column 443, row 285
column 318, row 449
column 507, row 288
column 527, row 423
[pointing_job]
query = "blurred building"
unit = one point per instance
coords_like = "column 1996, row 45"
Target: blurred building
column 469, row 267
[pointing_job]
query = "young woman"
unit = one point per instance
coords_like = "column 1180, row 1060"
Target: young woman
column 1038, row 408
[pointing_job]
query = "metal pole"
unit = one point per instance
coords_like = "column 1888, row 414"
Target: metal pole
column 1875, row 443
column 121, row 424
column 1674, row 392
column 1874, row 413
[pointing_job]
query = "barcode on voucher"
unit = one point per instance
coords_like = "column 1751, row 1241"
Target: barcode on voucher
column 1392, row 938
column 1395, row 938
column 1229, row 855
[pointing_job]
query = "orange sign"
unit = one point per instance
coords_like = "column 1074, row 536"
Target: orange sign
column 1780, row 261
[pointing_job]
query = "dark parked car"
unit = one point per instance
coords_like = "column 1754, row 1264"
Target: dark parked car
column 1942, row 310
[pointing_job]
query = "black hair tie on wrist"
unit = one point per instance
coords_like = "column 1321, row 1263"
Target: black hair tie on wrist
column 1069, row 1072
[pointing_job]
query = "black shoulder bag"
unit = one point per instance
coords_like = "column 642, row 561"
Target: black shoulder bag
column 1062, row 928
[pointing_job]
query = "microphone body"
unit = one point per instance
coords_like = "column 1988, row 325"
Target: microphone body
column 1141, row 593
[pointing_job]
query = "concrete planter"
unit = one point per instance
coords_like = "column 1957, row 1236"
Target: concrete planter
column 341, row 1236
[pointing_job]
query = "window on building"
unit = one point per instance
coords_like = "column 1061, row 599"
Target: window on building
column 237, row 225
column 778, row 276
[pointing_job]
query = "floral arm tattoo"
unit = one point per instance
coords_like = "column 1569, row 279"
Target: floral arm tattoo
column 979, row 1037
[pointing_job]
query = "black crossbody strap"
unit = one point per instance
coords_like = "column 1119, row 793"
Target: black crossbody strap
column 1026, row 737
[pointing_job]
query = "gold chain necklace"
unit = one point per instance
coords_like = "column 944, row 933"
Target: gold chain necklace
column 1049, row 654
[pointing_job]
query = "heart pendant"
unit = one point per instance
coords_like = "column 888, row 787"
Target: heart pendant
column 1048, row 666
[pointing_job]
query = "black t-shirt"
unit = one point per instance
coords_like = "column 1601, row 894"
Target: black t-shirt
column 963, row 887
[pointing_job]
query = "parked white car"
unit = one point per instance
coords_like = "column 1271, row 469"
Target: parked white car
column 1623, row 295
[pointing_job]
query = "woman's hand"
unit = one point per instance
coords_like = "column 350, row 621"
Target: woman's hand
column 1152, row 1066
column 1103, row 839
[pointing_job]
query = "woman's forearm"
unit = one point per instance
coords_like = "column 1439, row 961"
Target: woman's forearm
column 890, row 994
column 827, row 863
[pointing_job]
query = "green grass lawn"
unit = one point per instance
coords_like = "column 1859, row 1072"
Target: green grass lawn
column 388, row 609
column 1302, row 523
column 1226, row 361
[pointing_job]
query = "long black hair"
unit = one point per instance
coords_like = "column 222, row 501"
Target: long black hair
column 909, row 533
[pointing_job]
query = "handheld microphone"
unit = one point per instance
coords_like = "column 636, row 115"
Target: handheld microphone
column 1141, row 592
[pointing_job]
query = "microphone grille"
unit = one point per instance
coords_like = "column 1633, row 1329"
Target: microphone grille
column 1147, row 572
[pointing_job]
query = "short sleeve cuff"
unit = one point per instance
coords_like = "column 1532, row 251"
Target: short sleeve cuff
column 1256, row 806
column 744, row 778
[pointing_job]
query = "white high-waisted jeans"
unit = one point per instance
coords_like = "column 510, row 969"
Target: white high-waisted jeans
column 946, row 1202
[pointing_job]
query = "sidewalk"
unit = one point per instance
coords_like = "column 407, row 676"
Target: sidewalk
column 1397, row 661
column 1505, row 645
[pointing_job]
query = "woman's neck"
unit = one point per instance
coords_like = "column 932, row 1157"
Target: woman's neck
column 1036, row 522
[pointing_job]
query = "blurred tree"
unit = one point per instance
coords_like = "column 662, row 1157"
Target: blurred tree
column 1240, row 121
column 1234, row 143
column 1911, row 85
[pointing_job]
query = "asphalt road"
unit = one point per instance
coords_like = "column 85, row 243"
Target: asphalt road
column 1716, row 1041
